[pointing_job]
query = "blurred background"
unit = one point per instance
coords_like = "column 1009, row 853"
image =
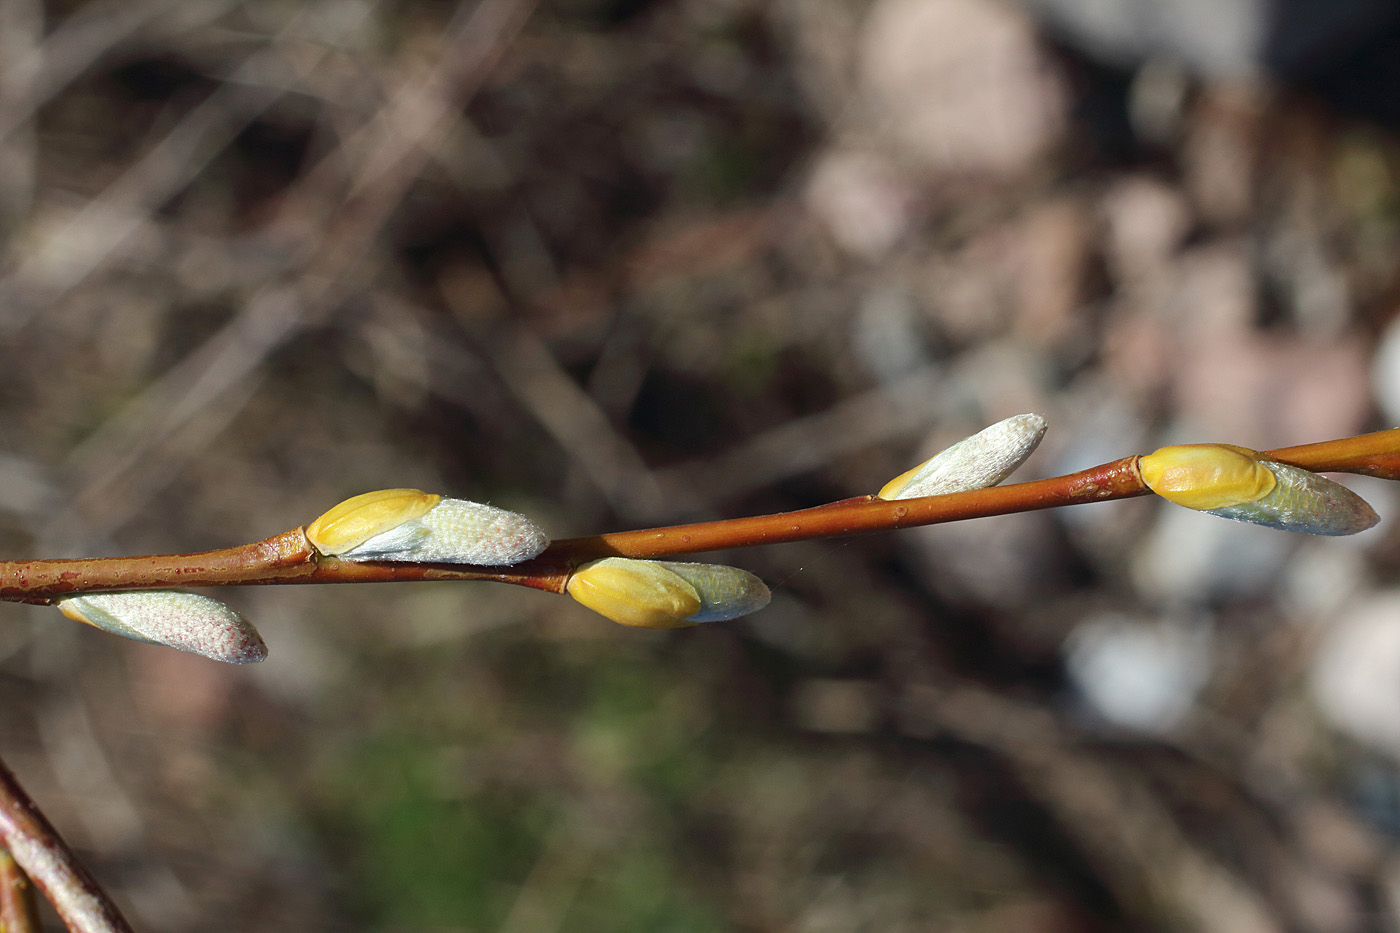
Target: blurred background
column 628, row 262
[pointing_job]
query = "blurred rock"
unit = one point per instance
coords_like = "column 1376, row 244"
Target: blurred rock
column 1279, row 388
column 1279, row 391
column 1137, row 351
column 862, row 201
column 1355, row 674
column 1190, row 558
column 1157, row 101
column 1052, row 259
column 1002, row 378
column 968, row 292
column 1214, row 296
column 962, row 85
column 1145, row 222
column 1219, row 152
column 1323, row 576
column 1218, row 37
column 1385, row 372
column 1003, row 562
column 1139, row 676
column 886, row 337
column 827, row 705
column 181, row 692
column 1215, row 36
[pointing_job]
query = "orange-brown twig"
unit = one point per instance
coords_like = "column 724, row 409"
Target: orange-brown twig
column 1117, row 480
column 1375, row 454
column 289, row 558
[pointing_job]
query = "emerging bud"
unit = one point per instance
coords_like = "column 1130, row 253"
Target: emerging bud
column 408, row 525
column 665, row 594
column 1234, row 483
column 984, row 459
column 186, row 621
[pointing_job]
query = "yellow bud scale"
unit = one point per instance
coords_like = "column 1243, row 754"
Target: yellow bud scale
column 359, row 518
column 640, row 593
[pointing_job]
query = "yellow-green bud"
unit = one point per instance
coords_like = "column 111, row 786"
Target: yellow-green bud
column 1236, row 483
column 666, row 594
column 640, row 593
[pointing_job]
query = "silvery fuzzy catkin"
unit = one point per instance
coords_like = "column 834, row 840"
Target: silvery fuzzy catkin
column 186, row 621
column 1306, row 502
column 460, row 532
column 984, row 459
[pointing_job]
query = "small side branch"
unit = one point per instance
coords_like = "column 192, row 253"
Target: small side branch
column 18, row 911
column 38, row 849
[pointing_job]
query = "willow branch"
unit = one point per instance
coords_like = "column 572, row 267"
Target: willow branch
column 38, row 849
column 290, row 558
